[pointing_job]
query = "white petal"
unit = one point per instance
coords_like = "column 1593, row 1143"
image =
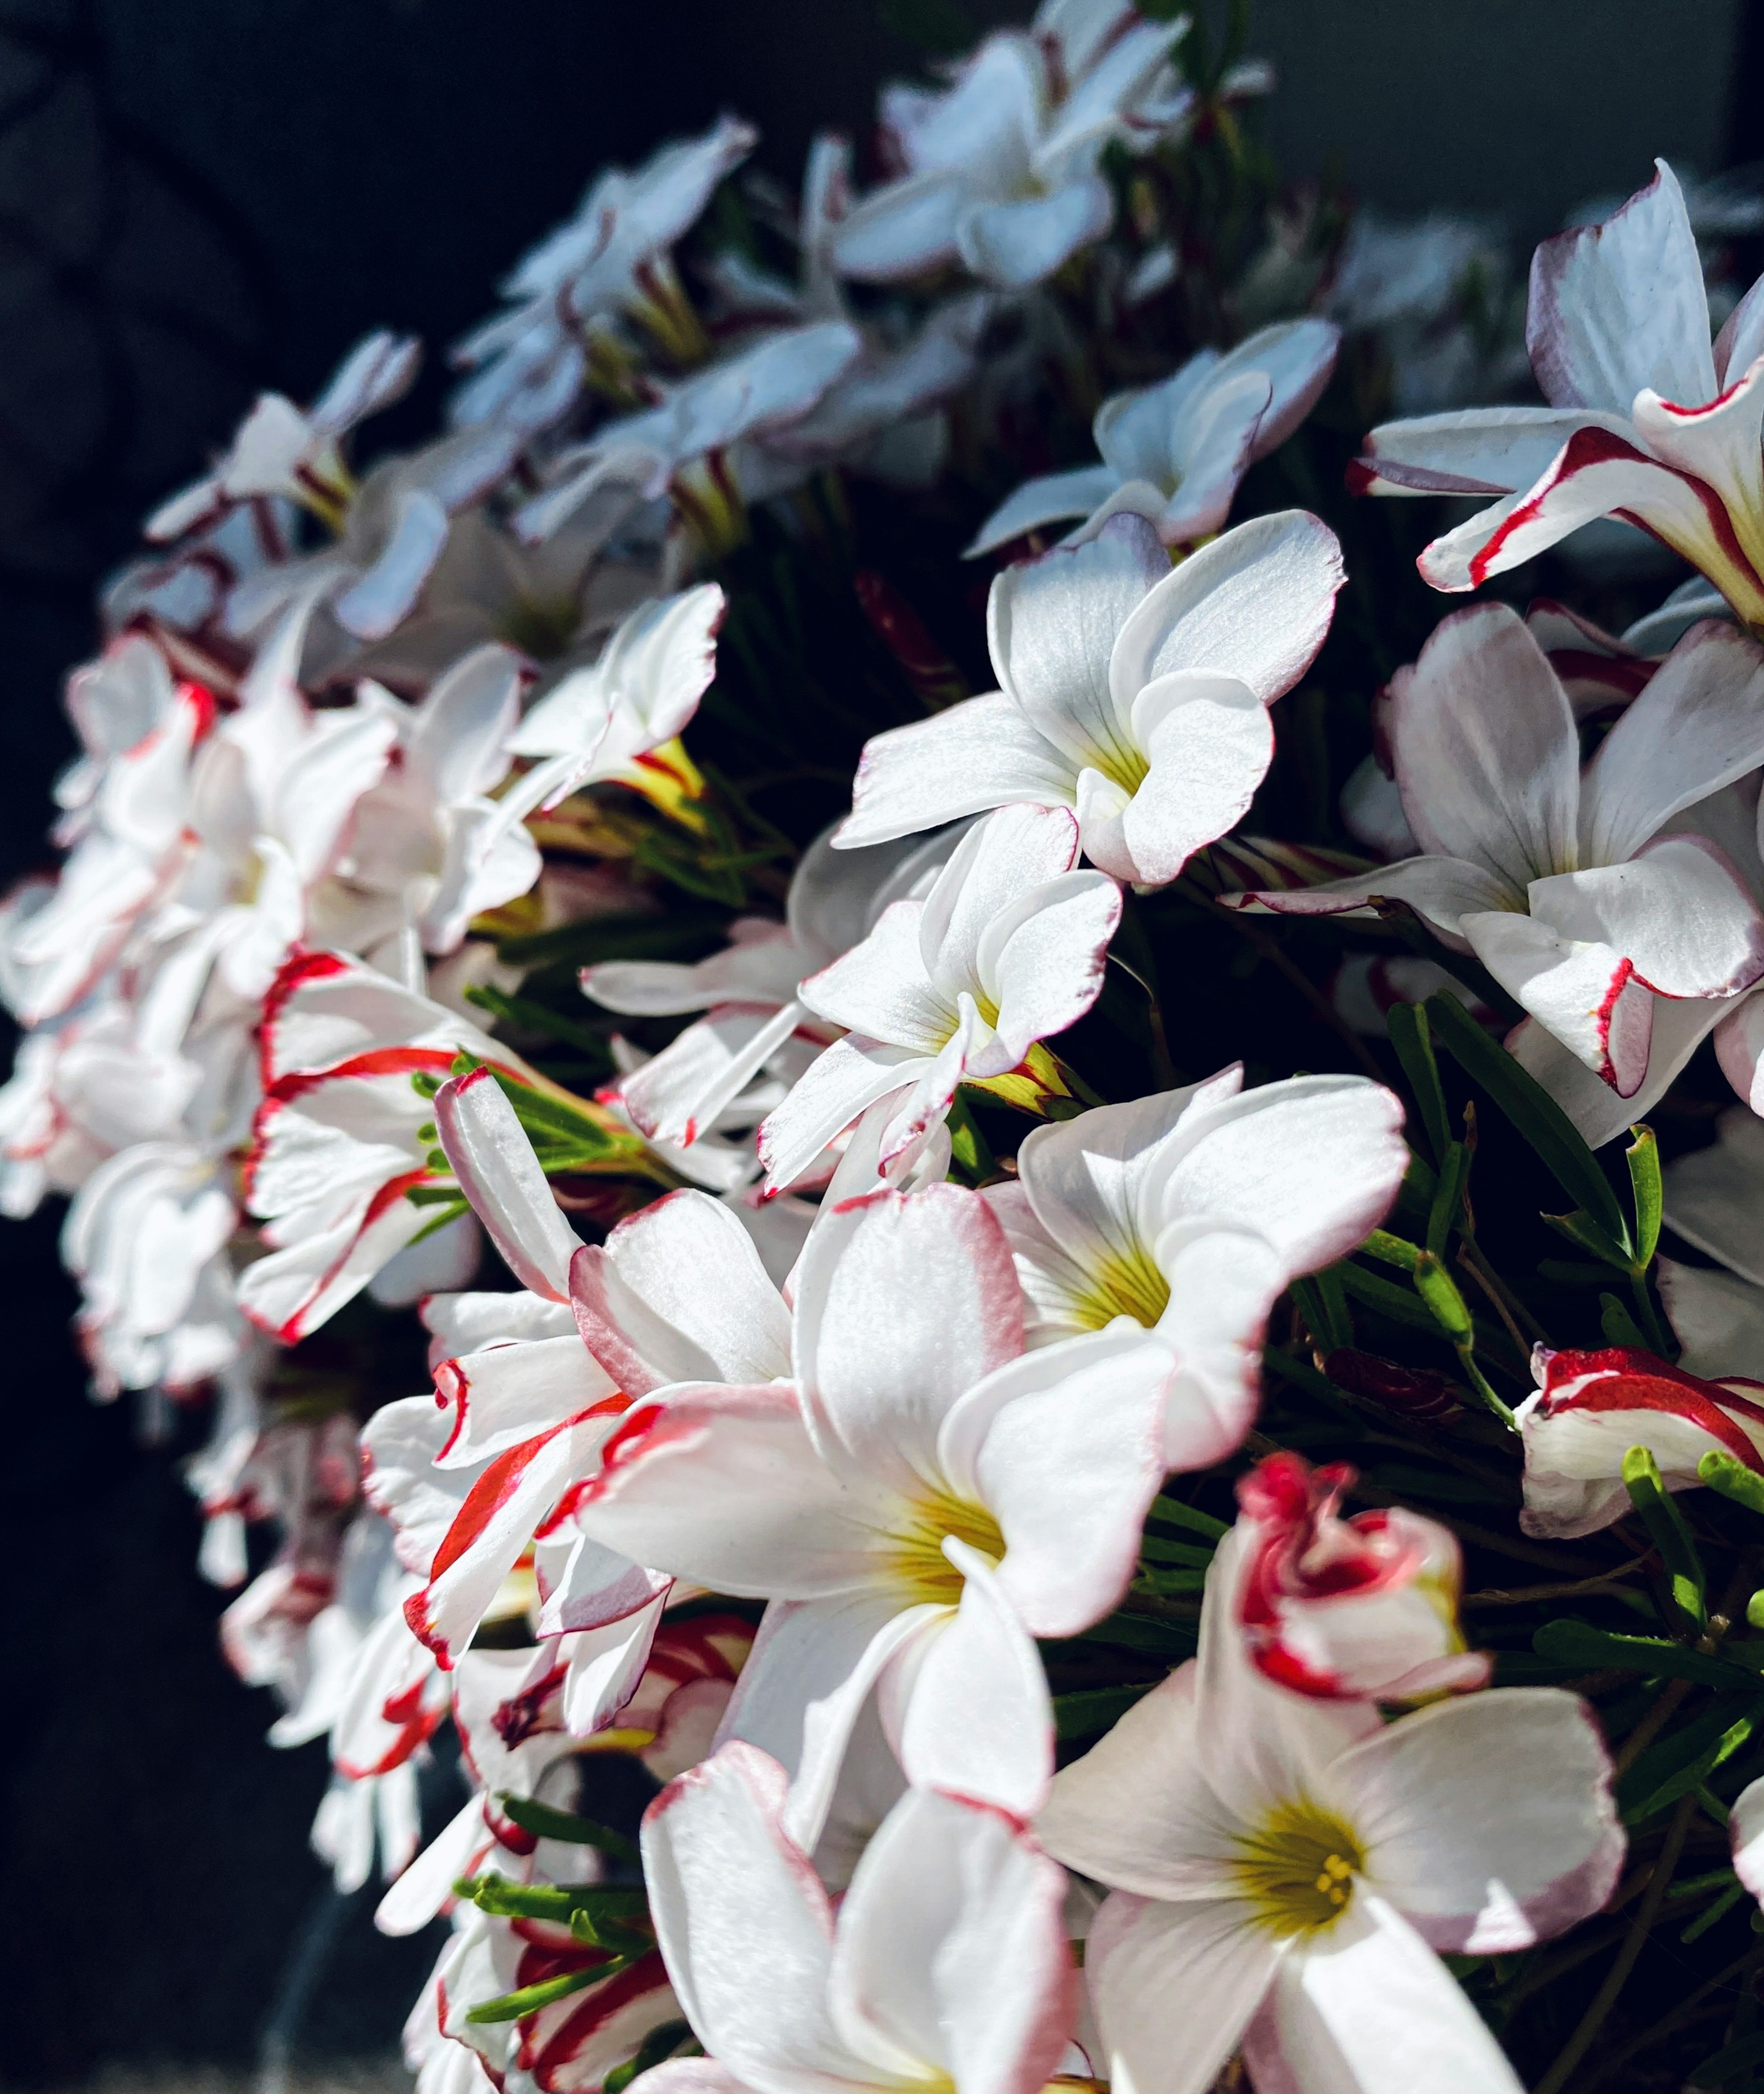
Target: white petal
column 1022, row 242
column 1677, row 912
column 980, row 753
column 1174, row 1987
column 1584, row 991
column 1054, row 499
column 500, row 1174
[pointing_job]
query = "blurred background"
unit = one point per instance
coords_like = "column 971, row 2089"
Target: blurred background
column 202, row 200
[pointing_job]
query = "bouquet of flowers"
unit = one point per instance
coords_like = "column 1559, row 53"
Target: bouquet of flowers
column 876, row 898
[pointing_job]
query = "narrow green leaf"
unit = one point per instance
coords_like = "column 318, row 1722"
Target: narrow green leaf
column 1439, row 1290
column 1392, row 1250
column 1585, row 1234
column 1154, row 1549
column 1729, row 2064
column 546, row 1823
column 1734, row 1480
column 1589, row 1649
column 1125, row 1631
column 558, row 1902
column 1398, row 1303
column 1643, row 1154
column 1619, row 1327
column 1667, row 1530
column 1705, row 1920
column 510, row 2006
column 1530, row 1109
column 1414, row 1042
column 1454, row 1175
column 1172, row 1512
column 1325, row 1314
column 1674, row 1765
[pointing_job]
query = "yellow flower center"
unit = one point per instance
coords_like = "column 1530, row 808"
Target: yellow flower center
column 917, row 1557
column 1126, row 1286
column 1297, row 1869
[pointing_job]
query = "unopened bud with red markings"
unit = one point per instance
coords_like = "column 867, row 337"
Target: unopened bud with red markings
column 1412, row 1392
column 1347, row 1609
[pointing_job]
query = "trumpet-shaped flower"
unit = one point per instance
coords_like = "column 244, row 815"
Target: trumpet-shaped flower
column 918, row 1502
column 1359, row 1610
column 1002, row 166
column 1555, row 875
column 1647, row 421
column 1590, row 1408
column 749, row 990
column 1187, row 1213
column 1006, row 948
column 611, row 260
column 1134, row 695
column 281, row 449
column 945, row 1965
column 1284, row 1867
column 1174, row 453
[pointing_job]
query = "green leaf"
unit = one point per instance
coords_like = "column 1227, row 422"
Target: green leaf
column 1414, row 1043
column 1585, row 1234
column 522, row 1011
column 1323, row 1303
column 1589, row 1649
column 1172, row 1512
column 682, row 934
column 1397, row 1303
column 1719, row 1909
column 1534, row 1113
column 1643, row 1154
column 1155, row 1549
column 1674, row 1765
column 556, row 1901
column 1392, row 1250
column 1126, row 1631
column 969, row 1148
column 1092, row 1710
column 1729, row 2064
column 1439, row 1290
column 1454, row 1175
column 1619, row 1326
column 1734, row 1480
column 546, row 1823
column 1669, row 1535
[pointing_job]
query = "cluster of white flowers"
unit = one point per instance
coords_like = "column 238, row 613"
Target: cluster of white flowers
column 810, row 1435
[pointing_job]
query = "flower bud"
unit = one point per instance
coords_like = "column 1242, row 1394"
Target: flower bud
column 1361, row 1608
column 1592, row 1407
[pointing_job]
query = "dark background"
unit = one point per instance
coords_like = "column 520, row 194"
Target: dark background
column 199, row 198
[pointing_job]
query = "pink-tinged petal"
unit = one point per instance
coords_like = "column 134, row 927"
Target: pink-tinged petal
column 1055, row 498
column 1052, row 625
column 1598, row 474
column 1713, row 1195
column 900, row 230
column 575, row 2042
column 952, row 1952
column 980, row 753
column 1486, row 753
column 499, row 1174
column 1298, row 357
column 1255, row 604
column 1585, row 993
column 1218, row 440
column 1174, row 1988
column 1209, row 745
column 1511, row 1863
column 836, row 1090
column 1470, row 450
column 881, row 989
column 1677, row 913
column 743, row 1923
column 1311, row 1164
column 1444, row 890
column 1000, row 861
column 1022, row 242
column 1746, row 1826
column 603, row 1666
column 1223, row 1281
column 296, row 1288
column 1042, row 962
column 1739, row 1049
column 504, row 1397
column 814, row 1667
column 1621, row 305
column 688, row 2075
column 1720, row 444
column 678, row 1293
column 678, row 1096
column 381, row 598
column 903, row 1302
column 596, row 1589
column 1599, row 1113
column 492, row 1527
column 722, row 1486
column 1064, row 1447
column 761, row 965
column 1135, row 1811
column 1368, row 2005
column 1697, row 727
column 400, row 1481
column 966, row 1705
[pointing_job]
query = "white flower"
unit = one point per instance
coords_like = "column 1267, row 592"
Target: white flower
column 1006, row 948
column 1134, row 695
column 1174, row 453
column 1284, row 1867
